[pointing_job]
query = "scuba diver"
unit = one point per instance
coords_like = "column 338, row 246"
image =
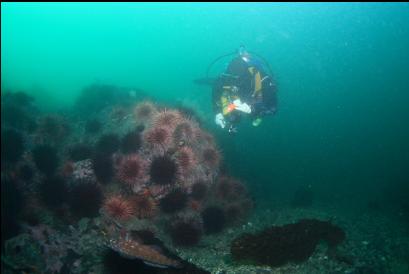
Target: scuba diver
column 244, row 89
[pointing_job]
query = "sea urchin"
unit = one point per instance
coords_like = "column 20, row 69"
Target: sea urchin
column 118, row 208
column 132, row 170
column 163, row 170
column 144, row 206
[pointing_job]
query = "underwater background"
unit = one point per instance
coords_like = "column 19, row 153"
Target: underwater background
column 339, row 139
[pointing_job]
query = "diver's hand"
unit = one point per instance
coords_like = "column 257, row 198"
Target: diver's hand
column 240, row 106
column 220, row 121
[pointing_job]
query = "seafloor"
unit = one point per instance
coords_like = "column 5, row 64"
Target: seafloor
column 377, row 239
column 374, row 243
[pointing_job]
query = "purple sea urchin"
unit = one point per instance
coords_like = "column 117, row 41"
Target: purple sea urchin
column 163, row 170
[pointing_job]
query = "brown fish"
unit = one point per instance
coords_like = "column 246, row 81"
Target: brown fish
column 150, row 255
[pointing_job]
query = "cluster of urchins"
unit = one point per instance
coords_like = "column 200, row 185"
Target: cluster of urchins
column 163, row 172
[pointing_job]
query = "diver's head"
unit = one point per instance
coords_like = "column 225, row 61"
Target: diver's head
column 244, row 55
column 242, row 50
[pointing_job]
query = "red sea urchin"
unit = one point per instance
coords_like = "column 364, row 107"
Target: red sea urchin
column 211, row 157
column 118, row 208
column 185, row 132
column 144, row 112
column 167, row 118
column 230, row 189
column 205, row 137
column 132, row 170
column 158, row 137
column 144, row 206
column 185, row 158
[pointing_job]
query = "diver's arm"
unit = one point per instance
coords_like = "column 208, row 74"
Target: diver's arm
column 216, row 102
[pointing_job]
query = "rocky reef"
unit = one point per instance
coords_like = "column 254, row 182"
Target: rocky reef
column 116, row 161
